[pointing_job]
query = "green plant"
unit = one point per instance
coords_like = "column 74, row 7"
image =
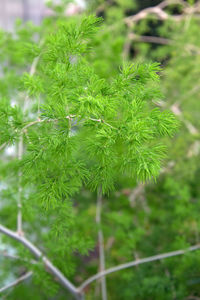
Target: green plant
column 74, row 132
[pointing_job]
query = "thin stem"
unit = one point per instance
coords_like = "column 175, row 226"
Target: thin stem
column 16, row 282
column 49, row 267
column 127, row 46
column 15, row 257
column 150, row 39
column 136, row 263
column 101, row 244
column 38, row 108
column 67, row 117
column 32, row 72
column 19, row 200
column 20, row 153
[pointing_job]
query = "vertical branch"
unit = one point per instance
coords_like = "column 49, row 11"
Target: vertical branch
column 38, row 108
column 20, row 153
column 19, row 200
column 127, row 47
column 32, row 72
column 101, row 243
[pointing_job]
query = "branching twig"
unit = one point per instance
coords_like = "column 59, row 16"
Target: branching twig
column 156, row 10
column 49, row 266
column 16, row 282
column 137, row 262
column 77, row 292
column 159, row 12
column 56, row 120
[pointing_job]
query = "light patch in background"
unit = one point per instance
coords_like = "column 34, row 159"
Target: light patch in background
column 10, row 151
column 13, row 103
column 81, row 3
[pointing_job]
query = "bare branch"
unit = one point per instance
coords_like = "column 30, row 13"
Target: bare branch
column 159, row 12
column 16, row 282
column 38, row 254
column 19, row 200
column 156, row 10
column 102, row 121
column 170, row 2
column 194, row 149
column 136, row 263
column 11, row 256
column 101, row 243
column 191, row 128
column 149, row 39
